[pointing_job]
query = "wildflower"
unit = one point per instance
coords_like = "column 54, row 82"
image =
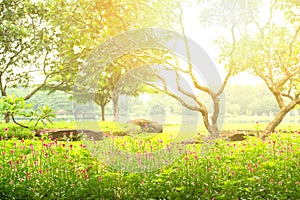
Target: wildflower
column 28, row 175
column 3, row 153
column 46, row 155
column 21, row 179
column 6, row 129
column 218, row 157
column 297, row 183
column 71, row 146
column 271, row 180
column 232, row 173
column 72, row 185
column 206, row 190
column 99, row 178
column 280, row 183
column 11, row 182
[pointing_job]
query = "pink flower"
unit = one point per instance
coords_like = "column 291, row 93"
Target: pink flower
column 5, row 129
column 297, row 183
column 28, row 175
column 21, row 179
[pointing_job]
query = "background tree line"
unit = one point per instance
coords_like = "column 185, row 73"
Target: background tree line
column 251, row 101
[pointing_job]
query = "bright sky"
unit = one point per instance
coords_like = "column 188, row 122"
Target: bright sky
column 205, row 37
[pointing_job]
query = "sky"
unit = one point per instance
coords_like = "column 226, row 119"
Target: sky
column 205, row 38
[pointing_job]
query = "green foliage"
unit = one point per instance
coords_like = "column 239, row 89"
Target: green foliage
column 25, row 44
column 16, row 106
column 42, row 114
column 84, row 25
column 252, row 169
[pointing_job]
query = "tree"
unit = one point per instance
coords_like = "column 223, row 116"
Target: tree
column 186, row 96
column 24, row 46
column 84, row 25
column 270, row 50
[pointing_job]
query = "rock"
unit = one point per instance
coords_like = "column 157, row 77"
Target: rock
column 147, row 125
column 59, row 134
column 238, row 135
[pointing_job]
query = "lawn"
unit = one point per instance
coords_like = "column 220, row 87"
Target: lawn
column 151, row 167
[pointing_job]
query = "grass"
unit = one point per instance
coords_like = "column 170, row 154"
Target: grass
column 151, row 167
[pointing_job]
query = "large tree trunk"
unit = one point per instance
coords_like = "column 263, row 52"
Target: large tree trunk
column 212, row 127
column 116, row 107
column 4, row 94
column 214, row 118
column 7, row 117
column 103, row 112
column 279, row 117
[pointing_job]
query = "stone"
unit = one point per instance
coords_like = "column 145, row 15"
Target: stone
column 60, row 134
column 238, row 135
column 147, row 125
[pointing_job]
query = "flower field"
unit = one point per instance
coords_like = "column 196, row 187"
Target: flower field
column 251, row 169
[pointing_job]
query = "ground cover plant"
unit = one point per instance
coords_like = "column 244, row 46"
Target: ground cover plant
column 251, row 169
